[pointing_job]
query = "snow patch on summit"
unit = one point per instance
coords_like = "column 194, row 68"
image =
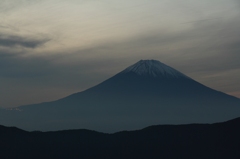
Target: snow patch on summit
column 153, row 68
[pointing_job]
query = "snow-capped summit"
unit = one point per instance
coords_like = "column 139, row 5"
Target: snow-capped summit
column 154, row 68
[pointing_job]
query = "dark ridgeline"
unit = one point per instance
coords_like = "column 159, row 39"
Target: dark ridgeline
column 193, row 141
column 146, row 93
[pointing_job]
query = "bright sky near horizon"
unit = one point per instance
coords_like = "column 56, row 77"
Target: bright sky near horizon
column 52, row 48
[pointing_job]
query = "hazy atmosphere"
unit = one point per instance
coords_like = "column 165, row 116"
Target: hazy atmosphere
column 52, row 48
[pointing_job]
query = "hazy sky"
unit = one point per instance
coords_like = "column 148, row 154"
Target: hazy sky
column 52, row 48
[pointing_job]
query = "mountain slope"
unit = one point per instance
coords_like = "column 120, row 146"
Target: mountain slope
column 146, row 93
column 196, row 141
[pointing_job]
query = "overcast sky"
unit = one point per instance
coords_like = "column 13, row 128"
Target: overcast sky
column 52, row 48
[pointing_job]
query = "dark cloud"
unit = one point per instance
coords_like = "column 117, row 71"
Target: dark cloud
column 28, row 42
column 14, row 63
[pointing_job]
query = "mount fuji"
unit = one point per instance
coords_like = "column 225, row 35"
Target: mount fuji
column 146, row 93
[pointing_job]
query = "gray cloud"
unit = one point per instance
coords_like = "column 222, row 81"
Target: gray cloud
column 212, row 45
column 6, row 5
column 208, row 46
column 206, row 50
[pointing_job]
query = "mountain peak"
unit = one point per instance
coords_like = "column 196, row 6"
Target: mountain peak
column 153, row 68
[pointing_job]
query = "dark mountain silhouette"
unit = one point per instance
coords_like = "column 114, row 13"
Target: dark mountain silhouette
column 146, row 93
column 192, row 141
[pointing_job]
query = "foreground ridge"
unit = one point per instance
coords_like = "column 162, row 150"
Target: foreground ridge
column 220, row 140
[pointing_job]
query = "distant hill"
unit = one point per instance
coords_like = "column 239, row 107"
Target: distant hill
column 146, row 93
column 192, row 141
